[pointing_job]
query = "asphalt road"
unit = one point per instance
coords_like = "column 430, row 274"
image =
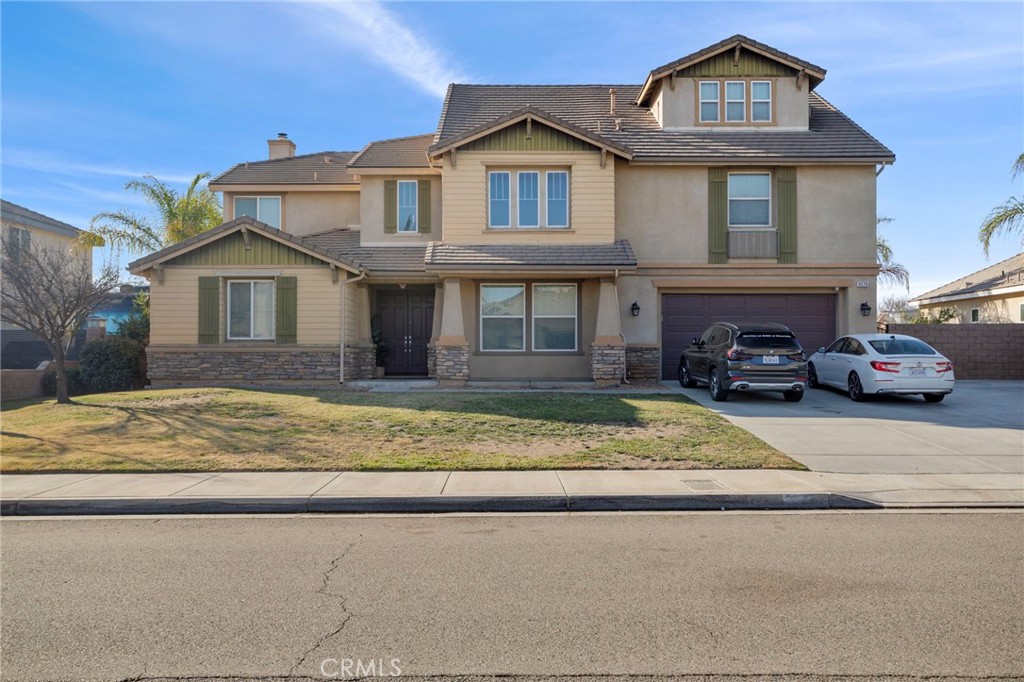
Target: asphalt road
column 803, row 596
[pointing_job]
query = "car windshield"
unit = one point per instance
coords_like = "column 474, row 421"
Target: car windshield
column 767, row 340
column 902, row 347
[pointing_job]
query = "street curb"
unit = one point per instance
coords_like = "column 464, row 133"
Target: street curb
column 431, row 504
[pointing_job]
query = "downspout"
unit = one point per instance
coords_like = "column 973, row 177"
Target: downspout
column 344, row 295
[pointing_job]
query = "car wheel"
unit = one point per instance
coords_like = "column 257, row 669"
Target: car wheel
column 934, row 397
column 718, row 392
column 793, row 396
column 854, row 388
column 812, row 377
column 685, row 380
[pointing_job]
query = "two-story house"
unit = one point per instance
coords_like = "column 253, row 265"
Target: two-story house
column 563, row 232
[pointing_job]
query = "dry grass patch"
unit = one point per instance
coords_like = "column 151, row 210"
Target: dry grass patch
column 220, row 429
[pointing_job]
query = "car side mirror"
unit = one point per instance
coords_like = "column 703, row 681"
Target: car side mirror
column 822, row 350
column 693, row 341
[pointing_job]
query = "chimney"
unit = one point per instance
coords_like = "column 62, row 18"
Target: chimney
column 282, row 147
column 611, row 97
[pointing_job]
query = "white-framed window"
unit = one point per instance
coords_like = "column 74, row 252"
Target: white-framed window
column 499, row 199
column 18, row 240
column 250, row 309
column 558, row 198
column 520, row 199
column 407, row 208
column 975, row 315
column 710, row 100
column 750, row 199
column 264, row 209
column 761, row 101
column 735, row 101
column 503, row 317
column 554, row 317
column 528, row 206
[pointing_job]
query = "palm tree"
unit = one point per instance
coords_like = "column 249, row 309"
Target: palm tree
column 180, row 216
column 1007, row 217
column 889, row 271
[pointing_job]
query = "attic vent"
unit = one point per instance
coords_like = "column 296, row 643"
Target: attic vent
column 327, row 159
column 618, row 124
column 968, row 284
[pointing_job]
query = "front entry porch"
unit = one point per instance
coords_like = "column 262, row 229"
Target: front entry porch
column 403, row 322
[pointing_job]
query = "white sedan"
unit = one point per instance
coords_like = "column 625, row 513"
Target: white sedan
column 873, row 364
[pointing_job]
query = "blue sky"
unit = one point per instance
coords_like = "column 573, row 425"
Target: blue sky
column 94, row 94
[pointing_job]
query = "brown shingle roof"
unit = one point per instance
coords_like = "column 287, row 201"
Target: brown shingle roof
column 831, row 134
column 618, row 254
column 1006, row 273
column 344, row 244
column 22, row 216
column 399, row 152
column 322, row 168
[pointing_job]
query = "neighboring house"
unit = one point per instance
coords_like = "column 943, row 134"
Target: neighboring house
column 19, row 348
column 118, row 306
column 994, row 294
column 579, row 232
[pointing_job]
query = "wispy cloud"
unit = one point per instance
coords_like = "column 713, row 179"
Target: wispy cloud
column 382, row 37
column 51, row 164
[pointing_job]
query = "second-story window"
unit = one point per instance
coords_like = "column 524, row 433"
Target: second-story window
column 407, row 209
column 709, row 101
column 760, row 101
column 528, row 199
column 18, row 240
column 750, row 202
column 735, row 101
column 264, row 209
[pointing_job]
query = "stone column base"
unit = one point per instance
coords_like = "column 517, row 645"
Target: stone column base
column 643, row 363
column 431, row 361
column 607, row 364
column 452, row 365
column 359, row 362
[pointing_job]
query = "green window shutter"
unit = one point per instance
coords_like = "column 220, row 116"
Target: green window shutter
column 286, row 310
column 209, row 310
column 423, row 206
column 718, row 215
column 785, row 180
column 390, row 206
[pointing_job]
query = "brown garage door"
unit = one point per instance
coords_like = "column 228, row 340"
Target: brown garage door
column 812, row 317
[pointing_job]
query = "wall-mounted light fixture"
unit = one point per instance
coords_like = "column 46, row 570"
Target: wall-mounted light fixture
column 635, row 309
column 865, row 309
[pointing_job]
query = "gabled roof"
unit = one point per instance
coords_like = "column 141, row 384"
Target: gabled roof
column 243, row 223
column 344, row 244
column 1006, row 273
column 831, row 135
column 445, row 256
column 322, row 168
column 525, row 113
column 815, row 73
column 22, row 216
column 398, row 152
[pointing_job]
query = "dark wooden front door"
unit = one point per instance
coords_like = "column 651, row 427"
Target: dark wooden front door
column 406, row 319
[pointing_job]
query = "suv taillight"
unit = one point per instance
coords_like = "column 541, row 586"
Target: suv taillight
column 880, row 366
column 797, row 357
column 942, row 367
column 734, row 354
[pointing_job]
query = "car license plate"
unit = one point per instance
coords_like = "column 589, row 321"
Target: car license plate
column 918, row 372
column 770, row 359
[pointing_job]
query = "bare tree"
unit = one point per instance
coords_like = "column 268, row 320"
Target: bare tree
column 50, row 291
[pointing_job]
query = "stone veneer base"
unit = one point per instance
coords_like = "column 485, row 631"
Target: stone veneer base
column 270, row 365
column 643, row 363
column 607, row 364
column 451, row 364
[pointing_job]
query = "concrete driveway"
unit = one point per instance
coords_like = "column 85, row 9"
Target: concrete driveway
column 977, row 429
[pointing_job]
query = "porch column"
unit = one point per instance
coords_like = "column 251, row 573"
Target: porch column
column 608, row 352
column 360, row 357
column 452, row 349
column 435, row 331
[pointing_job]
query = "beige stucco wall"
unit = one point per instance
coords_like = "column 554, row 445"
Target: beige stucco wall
column 503, row 365
column 991, row 309
column 371, row 211
column 44, row 239
column 836, row 214
column 677, row 109
column 175, row 303
column 591, row 198
column 663, row 212
column 307, row 212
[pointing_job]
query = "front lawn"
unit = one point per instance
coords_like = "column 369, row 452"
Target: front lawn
column 221, row 429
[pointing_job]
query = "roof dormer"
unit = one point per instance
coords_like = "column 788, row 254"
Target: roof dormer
column 737, row 83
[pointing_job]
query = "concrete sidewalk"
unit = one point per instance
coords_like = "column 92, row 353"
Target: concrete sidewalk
column 479, row 491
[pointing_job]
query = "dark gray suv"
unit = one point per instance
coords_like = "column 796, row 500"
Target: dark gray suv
column 745, row 357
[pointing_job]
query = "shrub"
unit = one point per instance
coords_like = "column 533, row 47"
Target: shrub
column 136, row 325
column 112, row 363
column 75, row 384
